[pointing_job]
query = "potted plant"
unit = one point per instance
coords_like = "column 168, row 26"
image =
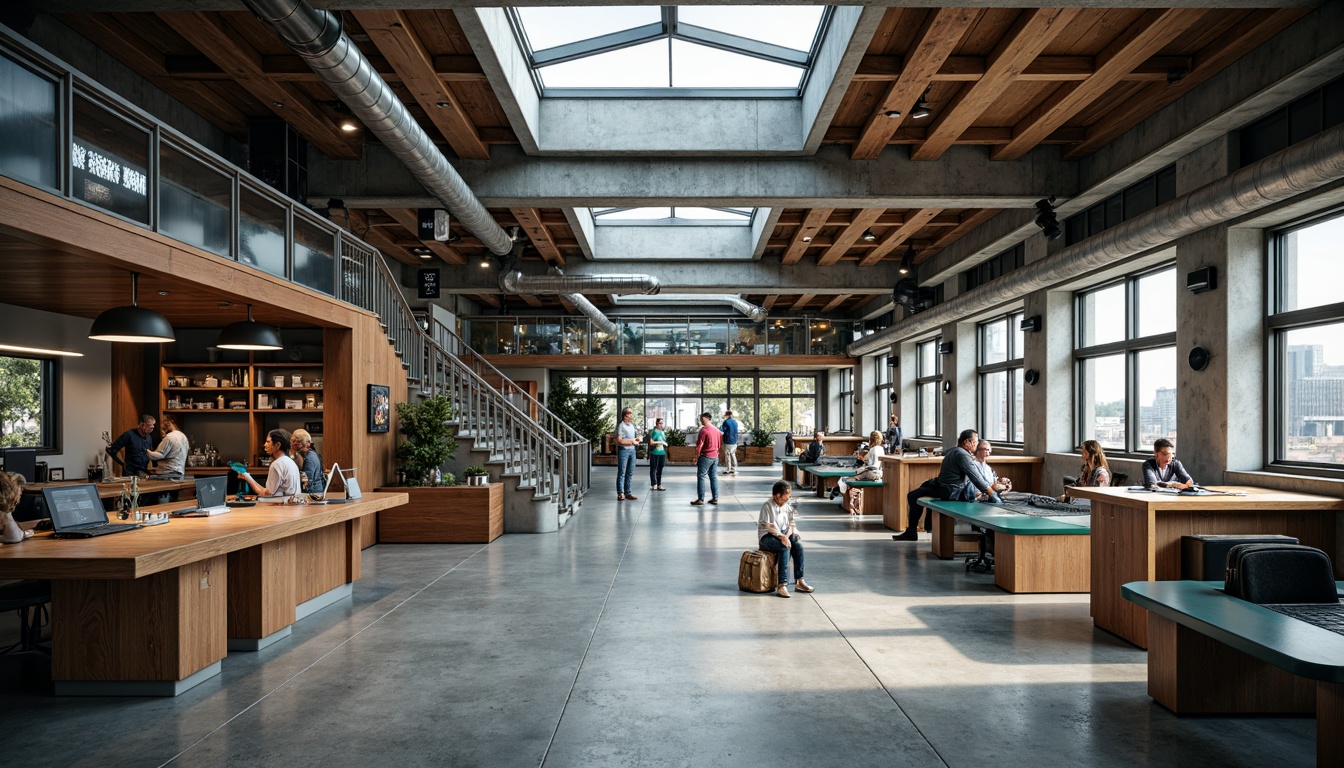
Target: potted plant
column 477, row 475
column 430, row 439
column 679, row 449
column 760, row 448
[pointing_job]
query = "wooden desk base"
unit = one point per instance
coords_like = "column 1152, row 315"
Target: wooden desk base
column 1042, row 563
column 946, row 543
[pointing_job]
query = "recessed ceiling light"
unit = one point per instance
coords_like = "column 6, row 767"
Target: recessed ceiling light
column 807, row 238
column 349, row 125
column 442, row 104
column 277, row 103
column 893, row 114
column 164, row 293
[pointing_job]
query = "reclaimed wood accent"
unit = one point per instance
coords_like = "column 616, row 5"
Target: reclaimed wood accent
column 460, row 514
column 1191, row 673
column 862, row 220
column 1030, row 34
column 393, row 34
column 1145, row 38
column 936, row 40
column 165, row 626
column 1137, row 537
column 1041, row 563
column 892, row 240
column 262, row 589
column 812, row 223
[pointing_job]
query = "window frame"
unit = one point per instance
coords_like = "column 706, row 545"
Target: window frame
column 1130, row 346
column 883, row 388
column 50, row 431
column 845, row 399
column 925, row 378
column 1014, row 362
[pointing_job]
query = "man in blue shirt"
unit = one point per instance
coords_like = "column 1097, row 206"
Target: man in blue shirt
column 730, row 429
column 137, row 444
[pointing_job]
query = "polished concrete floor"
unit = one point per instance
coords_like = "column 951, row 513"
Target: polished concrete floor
column 624, row 641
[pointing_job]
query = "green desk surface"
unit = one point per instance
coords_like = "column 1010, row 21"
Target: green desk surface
column 1291, row 645
column 866, row 483
column 791, row 460
column 1001, row 520
column 821, row 470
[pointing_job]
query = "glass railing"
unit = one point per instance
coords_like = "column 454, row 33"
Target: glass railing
column 64, row 133
column 659, row 336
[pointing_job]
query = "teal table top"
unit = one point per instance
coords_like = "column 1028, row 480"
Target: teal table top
column 1001, row 520
column 1287, row 643
column 822, row 470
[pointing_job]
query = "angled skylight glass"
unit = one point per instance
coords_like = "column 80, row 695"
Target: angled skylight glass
column 668, row 216
column 712, row 51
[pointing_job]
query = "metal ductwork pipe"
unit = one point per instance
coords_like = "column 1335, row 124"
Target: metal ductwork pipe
column 1292, row 172
column 514, row 281
column 757, row 314
column 600, row 321
column 317, row 37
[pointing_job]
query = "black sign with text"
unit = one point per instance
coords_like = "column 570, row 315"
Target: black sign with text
column 429, row 284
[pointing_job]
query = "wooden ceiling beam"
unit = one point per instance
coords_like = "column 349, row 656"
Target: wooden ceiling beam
column 892, row 218
column 530, row 220
column 1155, row 29
column 851, row 234
column 532, row 301
column 568, row 307
column 897, row 237
column 489, row 299
column 212, row 37
column 837, row 301
column 969, row 221
column 807, row 231
column 942, row 31
column 803, row 301
column 393, row 35
column 881, row 68
column 409, row 220
column 358, row 223
column 770, row 300
column 973, row 136
column 1031, row 32
column 1241, row 39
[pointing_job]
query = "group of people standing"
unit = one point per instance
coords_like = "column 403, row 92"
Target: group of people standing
column 711, row 444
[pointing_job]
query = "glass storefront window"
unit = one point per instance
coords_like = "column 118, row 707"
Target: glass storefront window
column 110, row 162
column 28, row 127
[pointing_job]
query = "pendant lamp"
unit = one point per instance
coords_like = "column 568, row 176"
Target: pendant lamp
column 135, row 324
column 249, row 335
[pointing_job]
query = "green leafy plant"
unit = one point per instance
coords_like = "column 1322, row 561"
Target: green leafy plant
column 448, row 478
column 561, row 400
column 475, row 470
column 430, row 439
column 762, row 438
column 676, row 438
column 590, row 419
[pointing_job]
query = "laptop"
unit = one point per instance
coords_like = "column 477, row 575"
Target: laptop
column 77, row 512
column 210, row 494
column 348, row 479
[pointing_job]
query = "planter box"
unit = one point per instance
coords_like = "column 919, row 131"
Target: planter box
column 681, row 454
column 604, row 460
column 457, row 514
column 755, row 456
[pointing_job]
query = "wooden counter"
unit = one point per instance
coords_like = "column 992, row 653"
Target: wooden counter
column 153, row 611
column 902, row 474
column 1137, row 537
column 106, row 491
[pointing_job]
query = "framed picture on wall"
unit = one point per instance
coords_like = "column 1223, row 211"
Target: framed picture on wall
column 56, row 474
column 380, row 408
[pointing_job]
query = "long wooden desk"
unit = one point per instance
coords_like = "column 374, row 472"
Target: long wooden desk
column 153, row 611
column 1137, row 537
column 1213, row 654
column 903, row 474
column 789, row 468
column 842, row 445
column 148, row 488
column 1031, row 554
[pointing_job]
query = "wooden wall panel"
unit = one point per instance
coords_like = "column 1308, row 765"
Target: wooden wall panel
column 261, row 589
column 128, row 390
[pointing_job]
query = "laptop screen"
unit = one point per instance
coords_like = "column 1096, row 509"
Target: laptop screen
column 73, row 506
column 210, row 491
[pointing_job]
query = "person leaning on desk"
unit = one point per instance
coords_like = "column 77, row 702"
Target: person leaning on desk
column 137, row 444
column 283, row 478
column 1163, row 470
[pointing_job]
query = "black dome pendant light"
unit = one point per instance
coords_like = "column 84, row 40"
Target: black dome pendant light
column 249, row 335
column 134, row 324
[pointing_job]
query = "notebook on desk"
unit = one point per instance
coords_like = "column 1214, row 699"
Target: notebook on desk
column 210, row 494
column 77, row 512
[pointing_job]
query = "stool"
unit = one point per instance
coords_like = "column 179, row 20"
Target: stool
column 29, row 598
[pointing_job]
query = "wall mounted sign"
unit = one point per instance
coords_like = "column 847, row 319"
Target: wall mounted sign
column 428, row 284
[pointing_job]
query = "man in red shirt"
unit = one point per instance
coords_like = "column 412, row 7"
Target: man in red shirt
column 707, row 461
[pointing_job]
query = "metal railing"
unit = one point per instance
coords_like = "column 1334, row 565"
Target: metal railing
column 529, row 440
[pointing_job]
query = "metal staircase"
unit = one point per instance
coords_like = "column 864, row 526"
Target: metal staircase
column 543, row 463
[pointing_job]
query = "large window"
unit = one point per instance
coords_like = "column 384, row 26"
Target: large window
column 28, row 416
column 928, row 382
column 1307, row 343
column 845, row 401
column 1000, row 378
column 1125, row 356
column 774, row 403
column 882, row 390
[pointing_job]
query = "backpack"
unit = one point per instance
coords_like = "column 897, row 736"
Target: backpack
column 1280, row 573
column 757, row 572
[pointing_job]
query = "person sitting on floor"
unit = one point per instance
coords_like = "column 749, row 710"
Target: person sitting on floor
column 958, row 480
column 1163, row 470
column 1096, row 472
column 778, row 534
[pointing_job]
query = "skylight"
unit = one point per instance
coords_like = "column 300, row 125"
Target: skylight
column 673, row 216
column 672, row 51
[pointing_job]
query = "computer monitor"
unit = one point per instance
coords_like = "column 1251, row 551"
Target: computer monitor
column 22, row 461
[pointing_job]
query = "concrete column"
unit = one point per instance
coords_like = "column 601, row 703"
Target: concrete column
column 903, row 384
column 1048, row 405
column 1221, row 410
column 1205, row 165
column 959, row 405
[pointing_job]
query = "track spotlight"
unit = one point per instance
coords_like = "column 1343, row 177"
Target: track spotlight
column 1045, row 218
column 908, row 261
column 807, row 238
column 921, row 109
column 868, row 236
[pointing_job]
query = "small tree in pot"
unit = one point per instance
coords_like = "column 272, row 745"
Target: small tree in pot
column 430, row 439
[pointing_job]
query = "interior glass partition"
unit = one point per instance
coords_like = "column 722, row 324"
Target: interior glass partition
column 261, row 231
column 28, row 125
column 109, row 161
column 314, row 255
column 194, row 201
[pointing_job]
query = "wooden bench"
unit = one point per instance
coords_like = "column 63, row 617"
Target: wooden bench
column 872, row 500
column 1031, row 554
column 1213, row 654
column 789, row 468
column 826, row 475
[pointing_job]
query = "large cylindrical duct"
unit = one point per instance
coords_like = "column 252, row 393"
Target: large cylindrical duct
column 589, row 310
column 317, row 37
column 757, row 314
column 513, row 281
column 1298, row 169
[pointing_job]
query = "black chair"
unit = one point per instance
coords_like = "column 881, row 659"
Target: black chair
column 30, row 599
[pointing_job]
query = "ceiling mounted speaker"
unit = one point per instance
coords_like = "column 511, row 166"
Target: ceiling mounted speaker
column 1199, row 358
column 134, row 324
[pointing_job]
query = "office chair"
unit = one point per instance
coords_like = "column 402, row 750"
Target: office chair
column 29, row 598
column 983, row 560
